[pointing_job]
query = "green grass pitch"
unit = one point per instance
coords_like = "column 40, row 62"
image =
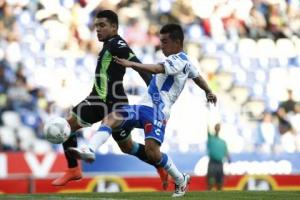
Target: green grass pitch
column 273, row 195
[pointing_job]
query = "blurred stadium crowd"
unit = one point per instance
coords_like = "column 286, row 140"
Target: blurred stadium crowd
column 249, row 51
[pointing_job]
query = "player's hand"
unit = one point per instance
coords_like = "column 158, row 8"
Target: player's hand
column 211, row 98
column 123, row 62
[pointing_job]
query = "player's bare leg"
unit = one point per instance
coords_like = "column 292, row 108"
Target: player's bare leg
column 164, row 177
column 152, row 148
column 130, row 147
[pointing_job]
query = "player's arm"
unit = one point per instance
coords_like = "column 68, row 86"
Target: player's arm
column 150, row 68
column 145, row 75
column 211, row 97
column 121, row 50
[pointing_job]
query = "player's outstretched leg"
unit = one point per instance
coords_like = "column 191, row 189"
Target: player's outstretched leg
column 164, row 177
column 131, row 147
column 83, row 153
column 138, row 150
column 152, row 149
column 181, row 180
column 87, row 153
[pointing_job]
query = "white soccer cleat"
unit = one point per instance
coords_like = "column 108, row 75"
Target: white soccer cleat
column 83, row 153
column 180, row 189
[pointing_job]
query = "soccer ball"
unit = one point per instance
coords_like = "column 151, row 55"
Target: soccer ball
column 57, row 130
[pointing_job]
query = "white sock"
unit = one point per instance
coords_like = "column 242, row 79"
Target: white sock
column 99, row 138
column 167, row 163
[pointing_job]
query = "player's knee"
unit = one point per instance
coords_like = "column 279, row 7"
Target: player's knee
column 152, row 150
column 125, row 148
column 151, row 156
column 113, row 120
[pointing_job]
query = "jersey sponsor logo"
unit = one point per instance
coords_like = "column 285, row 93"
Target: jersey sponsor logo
column 121, row 44
column 157, row 131
column 148, row 128
column 123, row 133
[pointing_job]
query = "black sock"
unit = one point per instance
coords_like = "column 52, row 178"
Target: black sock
column 71, row 142
column 138, row 150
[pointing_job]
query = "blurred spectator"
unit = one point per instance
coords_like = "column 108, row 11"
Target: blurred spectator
column 293, row 16
column 234, row 27
column 213, row 26
column 4, row 83
column 266, row 135
column 183, row 12
column 289, row 104
column 284, row 124
column 5, row 147
column 135, row 34
column 295, row 119
column 217, row 152
column 288, row 142
column 288, row 138
column 256, row 24
column 277, row 22
column 8, row 25
column 152, row 35
column 18, row 95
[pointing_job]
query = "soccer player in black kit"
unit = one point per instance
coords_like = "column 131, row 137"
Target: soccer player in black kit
column 107, row 94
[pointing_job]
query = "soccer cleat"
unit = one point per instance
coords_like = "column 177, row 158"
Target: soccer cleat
column 163, row 174
column 70, row 174
column 84, row 153
column 181, row 188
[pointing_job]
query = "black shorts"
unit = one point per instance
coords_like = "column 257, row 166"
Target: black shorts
column 92, row 110
column 215, row 170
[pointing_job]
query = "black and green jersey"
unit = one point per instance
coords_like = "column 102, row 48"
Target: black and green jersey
column 108, row 83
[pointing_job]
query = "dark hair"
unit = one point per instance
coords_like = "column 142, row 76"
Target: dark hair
column 110, row 15
column 175, row 32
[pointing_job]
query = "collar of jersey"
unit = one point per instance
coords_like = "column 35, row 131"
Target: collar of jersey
column 110, row 39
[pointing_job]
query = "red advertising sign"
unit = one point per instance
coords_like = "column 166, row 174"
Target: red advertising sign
column 31, row 173
column 134, row 184
column 31, row 164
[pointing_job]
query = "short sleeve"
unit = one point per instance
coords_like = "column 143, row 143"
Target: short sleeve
column 120, row 49
column 173, row 65
column 193, row 72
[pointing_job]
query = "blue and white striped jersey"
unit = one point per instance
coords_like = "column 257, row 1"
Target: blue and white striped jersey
column 164, row 89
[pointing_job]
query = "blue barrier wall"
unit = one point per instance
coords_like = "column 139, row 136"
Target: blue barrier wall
column 192, row 163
